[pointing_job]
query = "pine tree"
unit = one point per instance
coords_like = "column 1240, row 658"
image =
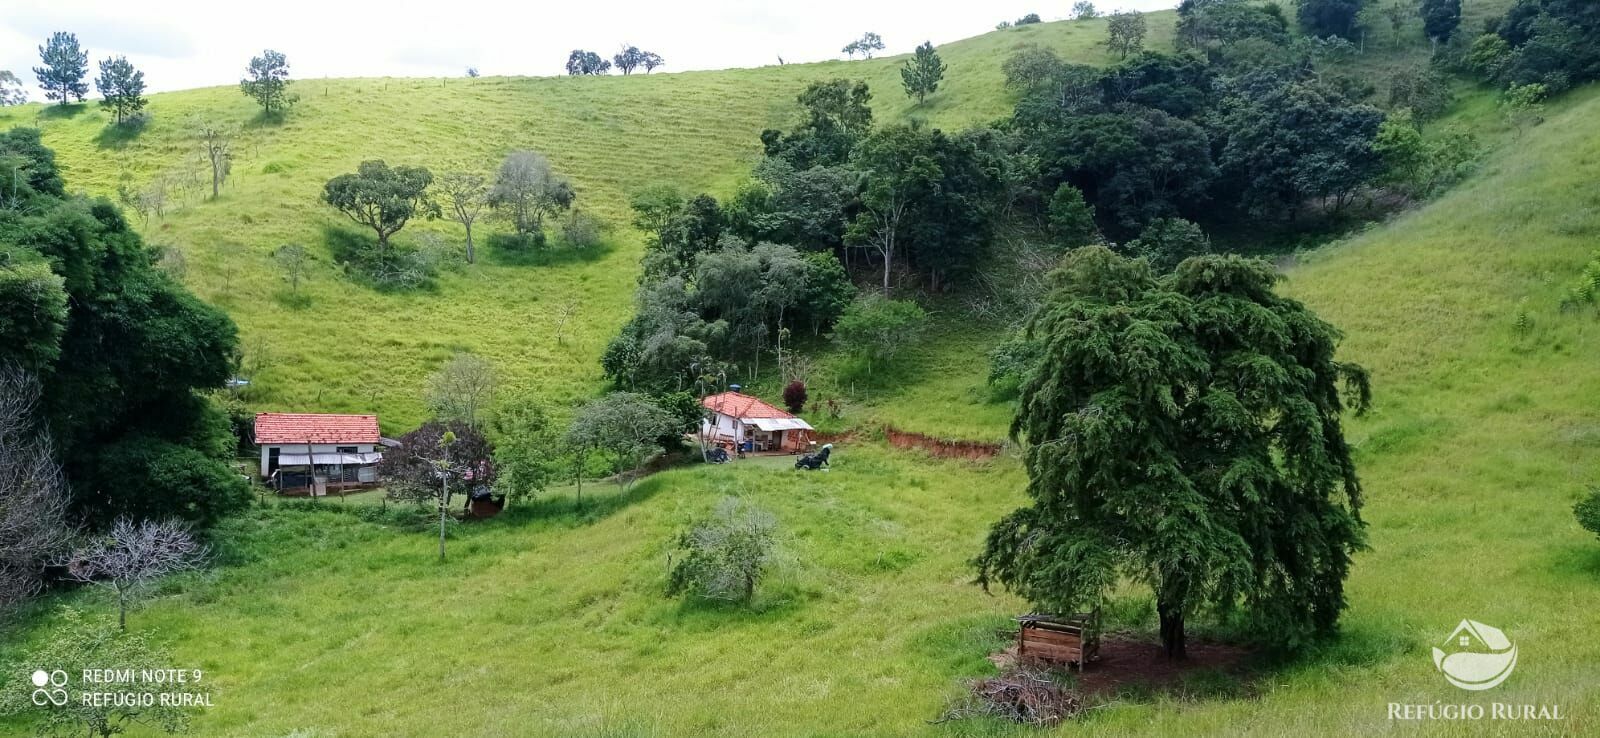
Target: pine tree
column 64, row 68
column 1184, row 432
column 121, row 88
column 922, row 73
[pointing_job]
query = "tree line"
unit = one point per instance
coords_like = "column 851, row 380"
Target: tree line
column 588, row 63
column 109, row 367
column 64, row 65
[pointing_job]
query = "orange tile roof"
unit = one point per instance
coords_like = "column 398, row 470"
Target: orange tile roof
column 288, row 428
column 743, row 407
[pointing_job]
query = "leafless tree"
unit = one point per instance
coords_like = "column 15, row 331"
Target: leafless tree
column 461, row 388
column 292, row 258
column 569, row 309
column 216, row 142
column 132, row 556
column 527, row 190
column 257, row 358
column 33, row 492
column 886, row 215
column 465, row 196
column 149, row 200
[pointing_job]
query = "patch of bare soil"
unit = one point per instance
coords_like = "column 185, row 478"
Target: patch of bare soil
column 940, row 447
column 1128, row 665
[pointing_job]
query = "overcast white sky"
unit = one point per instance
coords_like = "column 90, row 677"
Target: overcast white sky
column 198, row 43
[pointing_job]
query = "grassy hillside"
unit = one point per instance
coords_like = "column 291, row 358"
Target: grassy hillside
column 355, row 349
column 550, row 622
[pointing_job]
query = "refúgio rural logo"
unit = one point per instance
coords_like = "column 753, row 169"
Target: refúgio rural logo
column 1481, row 657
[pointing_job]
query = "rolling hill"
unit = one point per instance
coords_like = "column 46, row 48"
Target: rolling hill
column 550, row 621
column 354, row 349
column 1482, row 436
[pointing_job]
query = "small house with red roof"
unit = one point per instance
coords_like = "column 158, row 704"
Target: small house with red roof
column 741, row 420
column 311, row 452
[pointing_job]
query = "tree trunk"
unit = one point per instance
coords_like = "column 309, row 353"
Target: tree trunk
column 472, row 255
column 443, row 501
column 1172, row 637
column 122, row 609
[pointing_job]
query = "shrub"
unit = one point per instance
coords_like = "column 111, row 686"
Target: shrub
column 1166, row 242
column 580, row 230
column 1588, row 511
column 875, row 328
column 794, row 396
column 725, row 553
column 1071, row 218
column 1489, row 55
column 1010, row 365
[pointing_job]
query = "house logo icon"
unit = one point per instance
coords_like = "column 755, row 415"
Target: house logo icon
column 1481, row 656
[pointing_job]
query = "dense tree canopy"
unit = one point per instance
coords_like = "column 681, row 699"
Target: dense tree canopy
column 1184, row 432
column 1287, row 144
column 121, row 366
column 1549, row 42
column 1330, row 17
column 1213, row 25
column 1440, row 19
column 723, row 305
column 1134, row 166
column 837, row 114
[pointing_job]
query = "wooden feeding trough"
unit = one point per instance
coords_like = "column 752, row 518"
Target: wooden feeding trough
column 1074, row 639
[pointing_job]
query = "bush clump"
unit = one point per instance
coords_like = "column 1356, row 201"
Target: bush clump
column 1588, row 511
column 726, row 553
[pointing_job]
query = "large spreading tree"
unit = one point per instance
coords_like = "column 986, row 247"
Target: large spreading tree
column 1183, row 432
column 381, row 197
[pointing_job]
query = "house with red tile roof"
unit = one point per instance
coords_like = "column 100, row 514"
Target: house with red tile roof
column 309, row 453
column 739, row 419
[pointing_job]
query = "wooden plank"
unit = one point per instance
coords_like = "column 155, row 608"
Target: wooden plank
column 1052, row 653
column 1049, row 637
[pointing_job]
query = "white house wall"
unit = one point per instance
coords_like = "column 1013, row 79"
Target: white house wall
column 316, row 448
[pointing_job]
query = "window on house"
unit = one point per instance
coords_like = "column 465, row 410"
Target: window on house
column 346, row 449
